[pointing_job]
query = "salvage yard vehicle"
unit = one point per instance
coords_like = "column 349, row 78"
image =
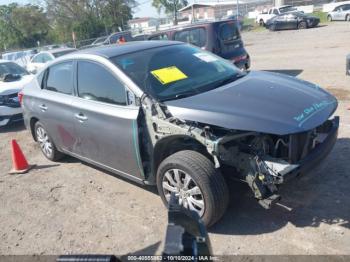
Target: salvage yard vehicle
column 261, row 19
column 170, row 114
column 292, row 21
column 39, row 60
column 220, row 37
column 12, row 79
column 340, row 13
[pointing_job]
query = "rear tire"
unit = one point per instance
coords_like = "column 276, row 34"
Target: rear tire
column 46, row 144
column 347, row 18
column 211, row 192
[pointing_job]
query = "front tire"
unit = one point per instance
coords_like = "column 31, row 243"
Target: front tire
column 329, row 18
column 302, row 25
column 46, row 144
column 347, row 18
column 195, row 181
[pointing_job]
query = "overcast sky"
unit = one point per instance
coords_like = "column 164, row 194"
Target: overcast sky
column 145, row 9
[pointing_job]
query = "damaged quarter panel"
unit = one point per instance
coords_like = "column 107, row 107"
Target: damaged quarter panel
column 263, row 102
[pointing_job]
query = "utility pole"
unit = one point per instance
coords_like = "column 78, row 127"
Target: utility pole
column 175, row 12
column 237, row 9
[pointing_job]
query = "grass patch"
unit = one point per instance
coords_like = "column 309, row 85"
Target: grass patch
column 321, row 15
column 250, row 25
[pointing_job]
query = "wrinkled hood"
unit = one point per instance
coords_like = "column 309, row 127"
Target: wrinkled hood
column 262, row 102
column 7, row 88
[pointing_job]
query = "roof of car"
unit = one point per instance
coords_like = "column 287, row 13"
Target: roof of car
column 57, row 50
column 109, row 51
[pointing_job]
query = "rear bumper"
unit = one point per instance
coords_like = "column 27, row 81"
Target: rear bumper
column 318, row 153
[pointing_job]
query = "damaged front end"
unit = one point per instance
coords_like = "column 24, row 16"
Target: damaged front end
column 263, row 161
column 266, row 161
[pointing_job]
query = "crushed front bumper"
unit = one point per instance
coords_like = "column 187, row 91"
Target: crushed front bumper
column 318, row 153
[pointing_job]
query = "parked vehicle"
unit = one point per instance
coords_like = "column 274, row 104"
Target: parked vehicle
column 39, row 60
column 115, row 37
column 292, row 21
column 12, row 79
column 99, row 41
column 272, row 12
column 221, row 37
column 140, row 37
column 173, row 115
column 340, row 13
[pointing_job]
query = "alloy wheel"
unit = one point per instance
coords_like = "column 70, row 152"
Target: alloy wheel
column 44, row 141
column 185, row 188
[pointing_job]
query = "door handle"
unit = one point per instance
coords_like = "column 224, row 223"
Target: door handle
column 81, row 117
column 43, row 107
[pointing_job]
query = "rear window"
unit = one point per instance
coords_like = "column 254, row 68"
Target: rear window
column 229, row 32
column 196, row 36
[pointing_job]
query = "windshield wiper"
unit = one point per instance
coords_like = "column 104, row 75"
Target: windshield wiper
column 179, row 96
column 229, row 79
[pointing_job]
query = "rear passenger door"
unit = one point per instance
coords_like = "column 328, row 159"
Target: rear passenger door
column 106, row 124
column 54, row 104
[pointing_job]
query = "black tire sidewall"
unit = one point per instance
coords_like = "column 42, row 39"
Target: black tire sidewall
column 202, row 180
column 302, row 23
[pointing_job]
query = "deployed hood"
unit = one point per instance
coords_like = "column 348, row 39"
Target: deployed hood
column 262, row 102
column 7, row 88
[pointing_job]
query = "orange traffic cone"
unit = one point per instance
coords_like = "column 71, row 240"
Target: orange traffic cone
column 19, row 162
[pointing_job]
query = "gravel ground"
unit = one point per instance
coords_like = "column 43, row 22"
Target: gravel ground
column 72, row 207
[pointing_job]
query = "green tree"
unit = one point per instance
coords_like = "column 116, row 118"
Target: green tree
column 22, row 26
column 88, row 18
column 169, row 6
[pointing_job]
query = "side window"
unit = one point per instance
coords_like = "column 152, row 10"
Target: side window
column 159, row 37
column 38, row 59
column 182, row 36
column 96, row 83
column 59, row 78
column 275, row 12
column 229, row 32
column 195, row 36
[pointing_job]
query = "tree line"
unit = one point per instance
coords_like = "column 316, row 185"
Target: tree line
column 53, row 21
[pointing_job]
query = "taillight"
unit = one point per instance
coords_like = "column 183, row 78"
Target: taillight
column 20, row 97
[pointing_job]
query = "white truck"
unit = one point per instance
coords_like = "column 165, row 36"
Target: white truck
column 263, row 17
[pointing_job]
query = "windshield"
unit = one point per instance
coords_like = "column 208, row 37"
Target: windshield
column 176, row 71
column 11, row 68
column 287, row 9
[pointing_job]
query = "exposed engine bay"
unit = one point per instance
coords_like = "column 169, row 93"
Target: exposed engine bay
column 263, row 161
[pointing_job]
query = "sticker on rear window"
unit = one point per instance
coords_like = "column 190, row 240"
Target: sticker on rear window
column 206, row 57
column 168, row 74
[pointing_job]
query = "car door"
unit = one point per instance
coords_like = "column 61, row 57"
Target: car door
column 106, row 124
column 291, row 21
column 338, row 13
column 54, row 105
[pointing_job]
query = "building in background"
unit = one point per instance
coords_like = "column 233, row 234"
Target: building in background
column 143, row 24
column 218, row 10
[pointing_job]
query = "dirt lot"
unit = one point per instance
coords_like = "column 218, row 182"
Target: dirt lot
column 71, row 207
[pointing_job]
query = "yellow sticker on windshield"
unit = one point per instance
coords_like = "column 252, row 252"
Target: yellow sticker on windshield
column 168, row 74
